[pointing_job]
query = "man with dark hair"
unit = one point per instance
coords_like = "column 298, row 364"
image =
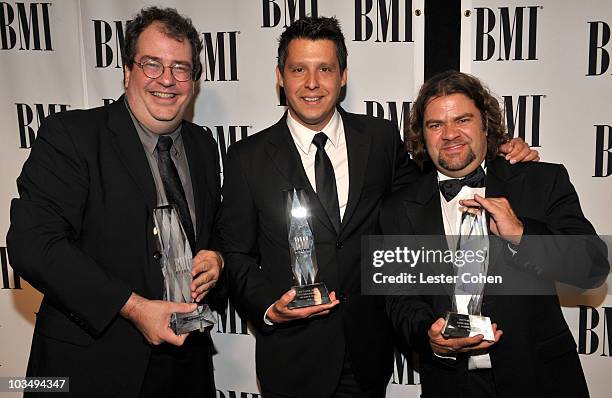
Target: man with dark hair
column 456, row 129
column 82, row 230
column 345, row 163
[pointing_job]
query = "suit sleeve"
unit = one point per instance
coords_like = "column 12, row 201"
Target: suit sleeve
column 46, row 223
column 564, row 246
column 237, row 228
column 410, row 315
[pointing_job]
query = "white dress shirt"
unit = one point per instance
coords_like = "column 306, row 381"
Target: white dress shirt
column 452, row 224
column 335, row 147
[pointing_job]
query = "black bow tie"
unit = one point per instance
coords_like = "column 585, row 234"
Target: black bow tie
column 450, row 188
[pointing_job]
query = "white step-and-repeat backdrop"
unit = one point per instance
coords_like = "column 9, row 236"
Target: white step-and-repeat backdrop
column 548, row 60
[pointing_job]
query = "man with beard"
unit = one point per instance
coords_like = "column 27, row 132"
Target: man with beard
column 456, row 130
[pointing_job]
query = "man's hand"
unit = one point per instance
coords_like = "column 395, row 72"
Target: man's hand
column 517, row 150
column 503, row 221
column 205, row 270
column 279, row 313
column 443, row 346
column 152, row 318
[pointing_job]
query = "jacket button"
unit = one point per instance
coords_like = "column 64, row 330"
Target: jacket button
column 339, row 245
column 157, row 255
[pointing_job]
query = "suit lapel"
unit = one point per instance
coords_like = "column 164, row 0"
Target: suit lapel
column 425, row 214
column 197, row 172
column 132, row 154
column 502, row 181
column 358, row 152
column 130, row 151
column 284, row 154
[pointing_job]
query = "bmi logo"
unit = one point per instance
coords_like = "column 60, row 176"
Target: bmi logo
column 397, row 112
column 603, row 150
column 510, row 33
column 220, row 56
column 108, row 40
column 10, row 280
column 523, row 117
column 404, row 372
column 287, row 10
column 231, row 322
column 26, row 114
column 227, row 136
column 25, row 26
column 594, row 330
column 599, row 57
column 384, row 20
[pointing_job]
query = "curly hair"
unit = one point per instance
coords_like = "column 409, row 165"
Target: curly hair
column 311, row 28
column 175, row 26
column 447, row 83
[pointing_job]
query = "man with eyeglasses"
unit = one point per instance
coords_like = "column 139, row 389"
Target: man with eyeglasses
column 82, row 228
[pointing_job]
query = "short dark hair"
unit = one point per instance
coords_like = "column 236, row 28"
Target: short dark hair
column 313, row 28
column 447, row 83
column 175, row 26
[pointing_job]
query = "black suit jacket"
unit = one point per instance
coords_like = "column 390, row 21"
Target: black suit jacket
column 305, row 358
column 82, row 234
column 536, row 355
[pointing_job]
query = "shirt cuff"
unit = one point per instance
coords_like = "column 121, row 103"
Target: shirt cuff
column 222, row 260
column 454, row 358
column 267, row 320
column 513, row 249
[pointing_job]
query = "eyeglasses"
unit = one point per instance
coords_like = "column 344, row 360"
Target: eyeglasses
column 154, row 69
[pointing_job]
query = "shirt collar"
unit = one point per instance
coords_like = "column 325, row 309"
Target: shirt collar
column 149, row 139
column 302, row 135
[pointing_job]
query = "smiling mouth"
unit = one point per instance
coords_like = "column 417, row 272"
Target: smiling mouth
column 453, row 147
column 311, row 99
column 162, row 95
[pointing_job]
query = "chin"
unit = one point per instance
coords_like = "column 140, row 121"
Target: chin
column 165, row 117
column 453, row 165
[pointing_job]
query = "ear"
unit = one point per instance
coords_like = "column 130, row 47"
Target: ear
column 127, row 72
column 279, row 77
column 344, row 77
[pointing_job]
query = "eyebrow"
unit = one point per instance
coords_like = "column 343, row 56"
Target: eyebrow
column 463, row 115
column 317, row 64
column 160, row 60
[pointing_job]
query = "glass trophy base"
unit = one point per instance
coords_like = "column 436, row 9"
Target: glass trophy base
column 199, row 319
column 463, row 325
column 309, row 295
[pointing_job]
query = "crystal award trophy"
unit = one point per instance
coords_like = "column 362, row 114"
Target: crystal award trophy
column 176, row 259
column 466, row 320
column 302, row 251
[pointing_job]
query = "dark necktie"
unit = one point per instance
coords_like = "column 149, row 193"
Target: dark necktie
column 326, row 181
column 172, row 185
column 450, row 188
